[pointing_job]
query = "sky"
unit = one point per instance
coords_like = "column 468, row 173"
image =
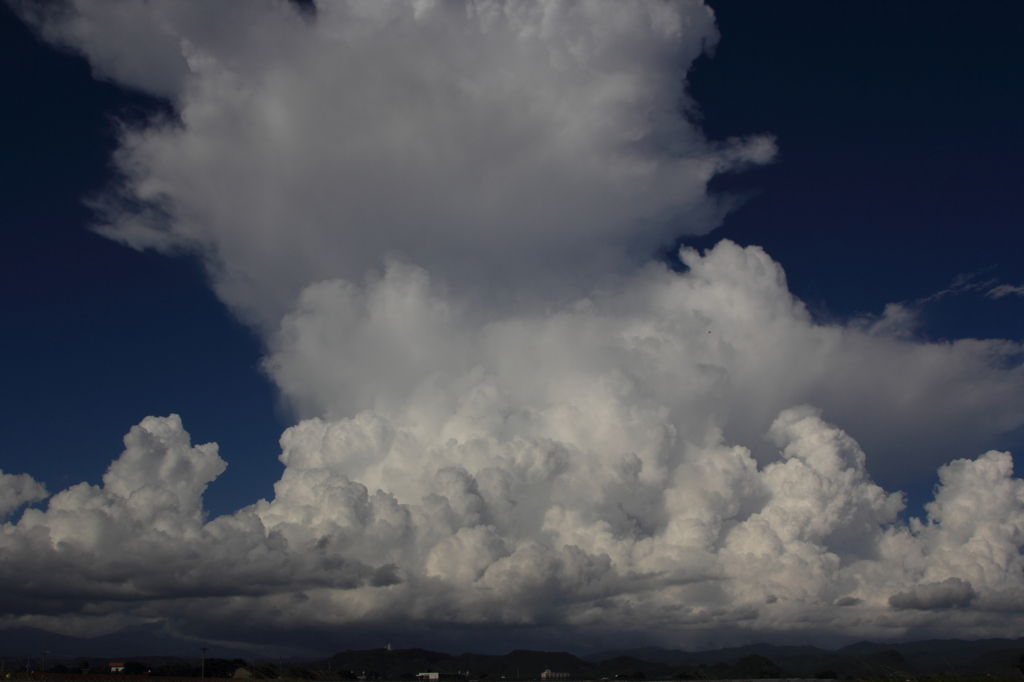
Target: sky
column 476, row 325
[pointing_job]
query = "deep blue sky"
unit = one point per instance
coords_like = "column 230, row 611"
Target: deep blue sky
column 99, row 336
column 900, row 170
column 901, row 146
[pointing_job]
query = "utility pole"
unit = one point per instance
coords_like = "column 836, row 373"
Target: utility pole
column 202, row 670
column 43, row 669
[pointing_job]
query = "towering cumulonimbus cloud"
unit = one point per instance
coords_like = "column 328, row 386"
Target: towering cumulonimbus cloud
column 440, row 216
column 517, row 145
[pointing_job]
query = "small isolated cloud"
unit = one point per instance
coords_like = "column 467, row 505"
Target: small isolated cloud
column 970, row 282
column 950, row 593
column 962, row 283
column 1005, row 290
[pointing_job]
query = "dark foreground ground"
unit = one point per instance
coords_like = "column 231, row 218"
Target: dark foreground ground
column 76, row 677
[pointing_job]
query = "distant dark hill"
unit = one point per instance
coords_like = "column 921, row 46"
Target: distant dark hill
column 526, row 664
column 24, row 641
column 654, row 654
column 152, row 640
column 521, row 664
column 730, row 655
column 998, row 663
column 956, row 647
column 399, row 663
column 864, row 659
column 627, row 666
column 944, row 656
column 389, row 662
column 884, row 663
column 754, row 667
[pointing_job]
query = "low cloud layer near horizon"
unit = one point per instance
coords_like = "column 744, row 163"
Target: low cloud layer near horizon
column 440, row 218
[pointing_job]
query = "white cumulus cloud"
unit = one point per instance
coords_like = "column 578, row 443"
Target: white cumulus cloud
column 725, row 344
column 439, row 216
column 570, row 467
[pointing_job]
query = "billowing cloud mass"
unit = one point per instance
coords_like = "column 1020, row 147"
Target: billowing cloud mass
column 440, row 216
column 501, row 144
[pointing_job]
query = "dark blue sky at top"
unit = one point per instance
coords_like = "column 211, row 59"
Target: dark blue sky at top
column 899, row 125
